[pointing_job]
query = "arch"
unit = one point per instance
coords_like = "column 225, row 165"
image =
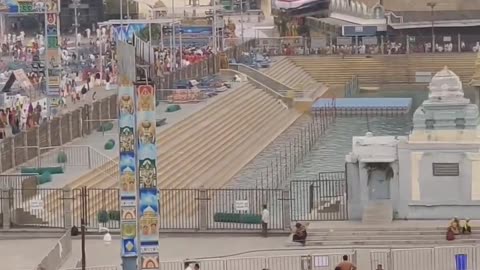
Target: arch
column 378, row 11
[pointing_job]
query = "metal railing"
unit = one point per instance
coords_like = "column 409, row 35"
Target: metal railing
column 27, row 212
column 324, row 198
column 352, row 87
column 31, row 144
column 68, row 156
column 376, row 45
column 182, row 209
column 286, row 160
column 317, row 261
column 100, row 267
column 436, row 258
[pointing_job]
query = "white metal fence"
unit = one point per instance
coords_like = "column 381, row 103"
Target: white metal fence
column 436, row 258
column 290, row 262
column 102, row 267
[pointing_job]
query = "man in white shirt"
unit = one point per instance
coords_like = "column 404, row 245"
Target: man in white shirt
column 265, row 220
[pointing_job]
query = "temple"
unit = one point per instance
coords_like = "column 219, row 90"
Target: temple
column 408, row 177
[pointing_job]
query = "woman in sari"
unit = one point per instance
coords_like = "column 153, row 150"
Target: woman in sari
column 300, row 234
column 455, row 225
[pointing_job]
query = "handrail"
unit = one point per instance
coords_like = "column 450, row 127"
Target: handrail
column 391, row 14
column 268, row 90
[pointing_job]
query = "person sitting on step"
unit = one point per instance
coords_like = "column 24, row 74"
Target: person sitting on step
column 466, row 228
column 455, row 225
column 300, row 234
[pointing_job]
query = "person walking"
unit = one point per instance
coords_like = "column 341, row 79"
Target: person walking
column 265, row 220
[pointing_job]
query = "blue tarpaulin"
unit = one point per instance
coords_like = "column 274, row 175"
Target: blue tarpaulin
column 461, row 261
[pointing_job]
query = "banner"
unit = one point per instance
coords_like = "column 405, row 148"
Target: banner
column 128, row 170
column 185, row 96
column 147, row 177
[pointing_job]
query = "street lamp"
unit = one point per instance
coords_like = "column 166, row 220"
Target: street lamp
column 76, row 5
column 432, row 6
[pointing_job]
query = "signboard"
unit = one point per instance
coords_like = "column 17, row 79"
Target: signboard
column 360, row 31
column 345, row 41
column 369, row 40
column 242, row 205
column 29, row 6
column 147, row 176
column 36, row 205
column 318, row 42
column 447, row 39
column 22, row 79
column 423, row 77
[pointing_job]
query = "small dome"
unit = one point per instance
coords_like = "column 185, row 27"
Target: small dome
column 445, row 85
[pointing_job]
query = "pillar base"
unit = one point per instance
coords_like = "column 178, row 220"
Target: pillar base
column 129, row 263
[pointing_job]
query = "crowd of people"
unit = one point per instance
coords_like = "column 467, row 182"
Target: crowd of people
column 289, row 47
column 189, row 55
column 20, row 117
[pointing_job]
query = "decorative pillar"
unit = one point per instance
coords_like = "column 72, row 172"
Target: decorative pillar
column 53, row 55
column 127, row 157
column 148, row 199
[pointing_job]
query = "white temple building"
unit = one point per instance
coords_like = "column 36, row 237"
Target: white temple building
column 434, row 173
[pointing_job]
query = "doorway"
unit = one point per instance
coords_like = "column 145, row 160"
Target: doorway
column 378, row 185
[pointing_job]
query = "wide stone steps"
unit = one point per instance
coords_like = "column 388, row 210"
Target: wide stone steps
column 227, row 166
column 213, row 149
column 288, row 73
column 106, row 176
column 383, row 69
column 386, row 236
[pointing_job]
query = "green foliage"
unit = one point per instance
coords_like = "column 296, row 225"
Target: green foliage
column 156, row 33
column 103, row 216
column 105, row 127
column 237, row 218
column 109, row 144
column 61, row 157
column 173, row 108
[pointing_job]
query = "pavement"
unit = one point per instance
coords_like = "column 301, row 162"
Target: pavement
column 24, row 254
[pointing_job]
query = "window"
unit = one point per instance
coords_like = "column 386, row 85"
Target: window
column 446, row 169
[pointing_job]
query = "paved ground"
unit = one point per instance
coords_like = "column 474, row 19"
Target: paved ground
column 24, row 254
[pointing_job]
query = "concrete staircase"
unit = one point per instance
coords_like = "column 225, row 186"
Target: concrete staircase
column 390, row 236
column 288, row 73
column 204, row 150
column 378, row 212
column 383, row 69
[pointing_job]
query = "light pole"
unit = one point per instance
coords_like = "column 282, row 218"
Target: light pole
column 174, row 47
column 76, row 5
column 241, row 19
column 214, row 26
column 432, row 7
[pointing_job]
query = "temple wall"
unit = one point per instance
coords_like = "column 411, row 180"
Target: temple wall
column 425, row 196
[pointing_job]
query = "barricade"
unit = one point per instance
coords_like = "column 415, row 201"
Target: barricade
column 58, row 254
